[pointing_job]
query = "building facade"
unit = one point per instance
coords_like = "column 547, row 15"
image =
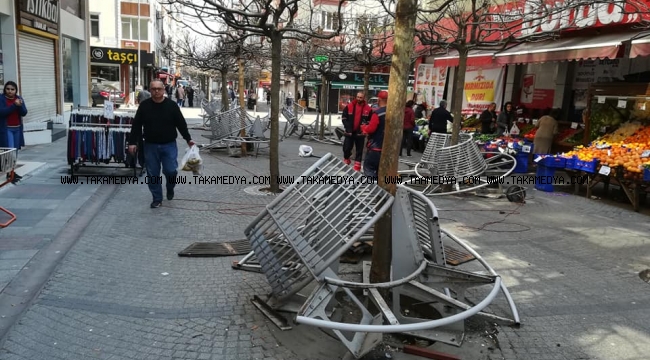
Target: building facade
column 122, row 44
column 43, row 48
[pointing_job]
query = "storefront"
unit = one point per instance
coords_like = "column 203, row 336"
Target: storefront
column 343, row 89
column 594, row 72
column 118, row 67
column 542, row 75
column 38, row 34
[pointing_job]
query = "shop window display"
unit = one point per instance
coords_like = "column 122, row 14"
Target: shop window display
column 105, row 74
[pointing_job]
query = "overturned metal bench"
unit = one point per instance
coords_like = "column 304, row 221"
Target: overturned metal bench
column 298, row 239
column 227, row 124
column 445, row 169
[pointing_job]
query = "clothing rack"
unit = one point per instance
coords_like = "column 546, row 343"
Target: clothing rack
column 95, row 141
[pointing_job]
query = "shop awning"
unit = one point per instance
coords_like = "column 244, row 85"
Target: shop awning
column 640, row 46
column 574, row 48
column 474, row 58
column 356, row 86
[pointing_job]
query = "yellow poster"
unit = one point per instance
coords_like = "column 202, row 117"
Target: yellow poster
column 483, row 85
column 479, row 88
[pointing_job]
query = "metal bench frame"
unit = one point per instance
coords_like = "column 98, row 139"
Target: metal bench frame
column 467, row 168
column 300, row 236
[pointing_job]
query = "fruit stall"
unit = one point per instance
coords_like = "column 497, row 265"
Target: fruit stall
column 516, row 146
column 617, row 141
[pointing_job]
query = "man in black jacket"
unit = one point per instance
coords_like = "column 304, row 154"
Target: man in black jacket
column 439, row 118
column 160, row 117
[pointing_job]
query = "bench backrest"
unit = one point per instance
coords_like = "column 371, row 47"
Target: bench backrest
column 303, row 232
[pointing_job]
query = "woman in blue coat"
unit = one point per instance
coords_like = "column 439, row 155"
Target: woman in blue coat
column 12, row 110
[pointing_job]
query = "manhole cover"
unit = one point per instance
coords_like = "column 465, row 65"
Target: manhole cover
column 505, row 227
column 258, row 190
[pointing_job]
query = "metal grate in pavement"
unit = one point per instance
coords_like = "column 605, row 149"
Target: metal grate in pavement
column 456, row 257
column 214, row 249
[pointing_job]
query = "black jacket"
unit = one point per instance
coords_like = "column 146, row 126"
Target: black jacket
column 438, row 120
column 160, row 121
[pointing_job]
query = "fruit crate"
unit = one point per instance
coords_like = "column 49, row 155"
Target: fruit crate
column 570, row 163
column 554, row 162
column 522, row 163
column 544, row 172
column 646, row 174
column 586, row 166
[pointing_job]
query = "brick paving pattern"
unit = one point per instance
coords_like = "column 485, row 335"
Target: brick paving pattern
column 570, row 263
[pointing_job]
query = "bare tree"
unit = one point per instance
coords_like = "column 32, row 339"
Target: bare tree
column 210, row 56
column 274, row 20
column 367, row 43
column 405, row 16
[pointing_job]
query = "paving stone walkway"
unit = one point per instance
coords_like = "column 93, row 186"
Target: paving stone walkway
column 121, row 292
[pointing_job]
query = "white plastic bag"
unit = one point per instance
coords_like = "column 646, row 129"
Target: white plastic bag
column 305, row 151
column 192, row 160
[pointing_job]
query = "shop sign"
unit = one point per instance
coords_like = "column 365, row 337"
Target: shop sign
column 481, row 86
column 379, row 79
column 44, row 9
column 120, row 56
column 559, row 15
column 40, row 14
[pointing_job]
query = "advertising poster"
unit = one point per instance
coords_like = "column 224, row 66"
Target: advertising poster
column 532, row 97
column 483, row 85
column 430, row 84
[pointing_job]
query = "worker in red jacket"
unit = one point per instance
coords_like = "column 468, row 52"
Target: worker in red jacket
column 356, row 113
column 375, row 131
column 409, row 125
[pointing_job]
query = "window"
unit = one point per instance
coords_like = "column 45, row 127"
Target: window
column 330, row 20
column 130, row 29
column 94, row 25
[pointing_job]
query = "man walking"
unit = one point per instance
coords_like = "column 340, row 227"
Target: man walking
column 375, row 131
column 439, row 118
column 190, row 96
column 356, row 113
column 160, row 117
column 180, row 95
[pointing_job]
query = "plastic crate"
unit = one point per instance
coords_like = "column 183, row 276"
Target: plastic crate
column 522, row 163
column 542, row 180
column 570, row 163
column 554, row 162
column 586, row 166
column 646, row 174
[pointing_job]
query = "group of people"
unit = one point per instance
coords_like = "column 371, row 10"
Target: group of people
column 361, row 122
column 547, row 125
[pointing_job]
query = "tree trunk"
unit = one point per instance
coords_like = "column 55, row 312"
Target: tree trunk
column 225, row 99
column 366, row 82
column 323, row 106
column 404, row 32
column 459, row 87
column 242, row 103
column 276, row 60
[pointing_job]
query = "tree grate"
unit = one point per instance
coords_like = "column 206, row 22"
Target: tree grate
column 215, row 249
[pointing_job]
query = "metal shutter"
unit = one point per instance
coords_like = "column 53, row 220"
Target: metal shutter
column 37, row 77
